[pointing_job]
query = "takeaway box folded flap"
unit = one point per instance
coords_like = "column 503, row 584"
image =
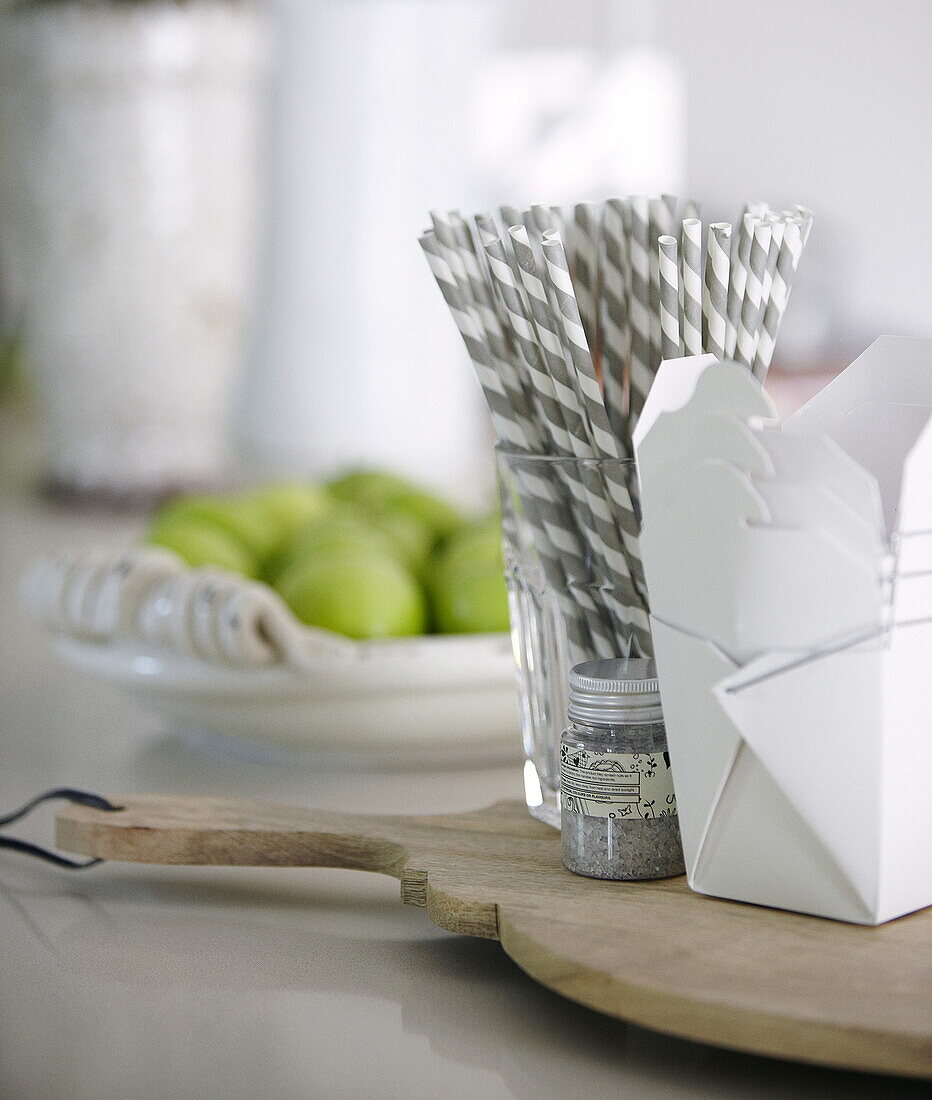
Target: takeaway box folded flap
column 790, row 570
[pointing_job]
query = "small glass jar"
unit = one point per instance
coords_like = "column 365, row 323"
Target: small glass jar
column 618, row 816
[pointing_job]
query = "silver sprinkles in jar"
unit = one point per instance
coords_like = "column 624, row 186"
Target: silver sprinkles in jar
column 618, row 816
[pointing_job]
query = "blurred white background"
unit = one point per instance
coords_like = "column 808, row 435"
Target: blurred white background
column 810, row 101
column 822, row 103
column 378, row 110
column 545, row 100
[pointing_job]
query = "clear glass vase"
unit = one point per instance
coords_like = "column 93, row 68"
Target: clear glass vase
column 570, row 538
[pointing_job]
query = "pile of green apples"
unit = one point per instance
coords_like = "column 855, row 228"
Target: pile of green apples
column 367, row 555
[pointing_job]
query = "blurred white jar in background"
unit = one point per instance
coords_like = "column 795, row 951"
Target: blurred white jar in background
column 127, row 210
column 356, row 359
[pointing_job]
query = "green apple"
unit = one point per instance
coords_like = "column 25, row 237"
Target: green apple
column 200, row 543
column 411, row 540
column 343, row 529
column 241, row 518
column 379, row 492
column 470, row 601
column 466, row 581
column 439, row 516
column 362, row 594
column 476, row 545
column 369, row 488
column 290, row 505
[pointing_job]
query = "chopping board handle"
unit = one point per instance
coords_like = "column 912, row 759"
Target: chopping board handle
column 168, row 829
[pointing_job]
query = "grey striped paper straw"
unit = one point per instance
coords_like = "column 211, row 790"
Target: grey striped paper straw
column 751, row 306
column 740, row 256
column 564, row 226
column 587, row 218
column 564, row 560
column 715, row 290
column 691, row 275
column 456, row 248
column 615, row 333
column 526, row 342
column 471, row 239
column 787, row 262
column 487, row 231
column 777, row 226
column 596, row 514
column 566, row 409
column 613, row 533
column 528, row 346
column 445, row 233
column 491, row 230
column 639, row 313
column 690, row 212
column 492, row 317
column 543, row 218
column 669, row 297
column 659, row 223
column 574, row 336
column 562, row 554
column 603, row 440
column 503, row 417
column 549, row 337
column 502, row 357
column 537, row 221
column 489, row 234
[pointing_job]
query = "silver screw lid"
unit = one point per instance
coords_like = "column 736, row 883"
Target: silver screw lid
column 621, row 689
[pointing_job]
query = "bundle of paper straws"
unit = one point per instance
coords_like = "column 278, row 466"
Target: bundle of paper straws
column 566, row 319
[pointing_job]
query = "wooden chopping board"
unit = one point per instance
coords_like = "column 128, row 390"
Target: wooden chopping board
column 654, row 953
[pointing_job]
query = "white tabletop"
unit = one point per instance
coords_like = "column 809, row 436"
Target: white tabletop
column 150, row 983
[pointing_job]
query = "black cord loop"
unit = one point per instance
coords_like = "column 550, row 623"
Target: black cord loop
column 69, row 794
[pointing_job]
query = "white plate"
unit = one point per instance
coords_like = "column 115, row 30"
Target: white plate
column 209, row 652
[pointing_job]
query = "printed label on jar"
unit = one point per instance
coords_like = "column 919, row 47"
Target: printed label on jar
column 616, row 784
